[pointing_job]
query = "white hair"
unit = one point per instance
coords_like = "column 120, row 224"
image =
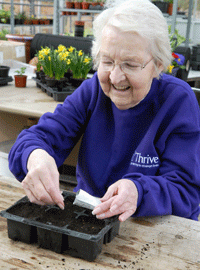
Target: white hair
column 137, row 16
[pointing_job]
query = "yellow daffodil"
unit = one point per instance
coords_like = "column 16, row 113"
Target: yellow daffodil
column 61, row 48
column 80, row 53
column 71, row 49
column 87, row 60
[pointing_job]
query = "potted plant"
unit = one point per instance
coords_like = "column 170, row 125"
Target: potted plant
column 34, row 20
column 4, row 16
column 78, row 4
column 177, row 66
column 85, row 4
column 20, row 18
column 80, row 65
column 170, row 6
column 55, row 63
column 20, row 79
column 69, row 5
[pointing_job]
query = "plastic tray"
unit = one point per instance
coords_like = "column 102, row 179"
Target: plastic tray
column 5, row 80
column 61, row 239
column 53, row 92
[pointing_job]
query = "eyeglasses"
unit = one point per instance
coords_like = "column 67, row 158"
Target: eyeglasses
column 128, row 67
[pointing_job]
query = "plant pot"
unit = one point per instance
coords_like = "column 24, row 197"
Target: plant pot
column 61, row 84
column 37, row 75
column 73, row 230
column 69, row 5
column 46, row 22
column 77, row 5
column 42, row 77
column 4, row 70
column 76, row 82
column 35, row 21
column 22, row 38
column 170, row 9
column 79, row 28
column 85, row 5
column 20, row 80
column 51, row 82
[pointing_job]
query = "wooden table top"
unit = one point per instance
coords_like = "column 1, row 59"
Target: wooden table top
column 167, row 242
column 30, row 101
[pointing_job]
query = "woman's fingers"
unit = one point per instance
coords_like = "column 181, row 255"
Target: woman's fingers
column 41, row 183
column 120, row 199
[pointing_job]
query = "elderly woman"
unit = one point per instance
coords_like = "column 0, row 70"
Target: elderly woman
column 140, row 148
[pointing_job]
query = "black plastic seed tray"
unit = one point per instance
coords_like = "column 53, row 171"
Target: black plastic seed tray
column 74, row 231
column 54, row 92
column 5, row 80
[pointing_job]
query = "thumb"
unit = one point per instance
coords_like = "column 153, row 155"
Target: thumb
column 112, row 190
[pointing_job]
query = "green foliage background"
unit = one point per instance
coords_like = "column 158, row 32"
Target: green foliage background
column 184, row 4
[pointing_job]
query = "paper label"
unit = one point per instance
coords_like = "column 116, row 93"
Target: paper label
column 1, row 57
column 20, row 51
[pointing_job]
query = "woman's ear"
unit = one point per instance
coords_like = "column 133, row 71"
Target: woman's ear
column 158, row 69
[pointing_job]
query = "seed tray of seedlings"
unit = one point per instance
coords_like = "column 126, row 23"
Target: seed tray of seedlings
column 56, row 93
column 74, row 230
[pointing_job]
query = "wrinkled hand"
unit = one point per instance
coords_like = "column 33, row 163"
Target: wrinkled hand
column 41, row 183
column 120, row 198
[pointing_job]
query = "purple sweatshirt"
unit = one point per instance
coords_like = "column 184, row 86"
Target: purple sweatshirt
column 156, row 144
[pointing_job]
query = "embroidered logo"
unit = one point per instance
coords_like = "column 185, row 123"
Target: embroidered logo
column 144, row 161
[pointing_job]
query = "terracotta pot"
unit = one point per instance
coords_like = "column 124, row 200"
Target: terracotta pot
column 170, row 9
column 69, row 5
column 77, row 5
column 20, row 81
column 46, row 21
column 85, row 5
column 4, row 70
column 35, row 21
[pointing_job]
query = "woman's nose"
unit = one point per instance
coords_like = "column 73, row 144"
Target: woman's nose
column 117, row 75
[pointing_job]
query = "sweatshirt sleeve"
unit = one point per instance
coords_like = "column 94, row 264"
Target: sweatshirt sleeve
column 58, row 132
column 175, row 187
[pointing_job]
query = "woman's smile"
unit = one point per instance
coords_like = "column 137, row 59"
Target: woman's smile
column 120, row 71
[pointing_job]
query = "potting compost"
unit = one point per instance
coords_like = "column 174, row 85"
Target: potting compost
column 73, row 230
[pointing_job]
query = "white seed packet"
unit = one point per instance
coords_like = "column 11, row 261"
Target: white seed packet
column 86, row 200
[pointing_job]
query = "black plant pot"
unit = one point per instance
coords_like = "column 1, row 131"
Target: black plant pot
column 37, row 75
column 51, row 82
column 76, row 82
column 42, row 77
column 61, row 84
column 4, row 70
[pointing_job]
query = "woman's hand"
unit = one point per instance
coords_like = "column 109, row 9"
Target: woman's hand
column 120, row 198
column 41, row 183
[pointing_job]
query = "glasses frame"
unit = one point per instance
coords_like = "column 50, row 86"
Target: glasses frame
column 142, row 66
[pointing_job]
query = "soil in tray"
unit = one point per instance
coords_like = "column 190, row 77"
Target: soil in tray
column 74, row 217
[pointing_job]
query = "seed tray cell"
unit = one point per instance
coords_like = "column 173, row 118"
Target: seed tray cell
column 74, row 231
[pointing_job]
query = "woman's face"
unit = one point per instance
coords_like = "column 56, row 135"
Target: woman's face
column 125, row 90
